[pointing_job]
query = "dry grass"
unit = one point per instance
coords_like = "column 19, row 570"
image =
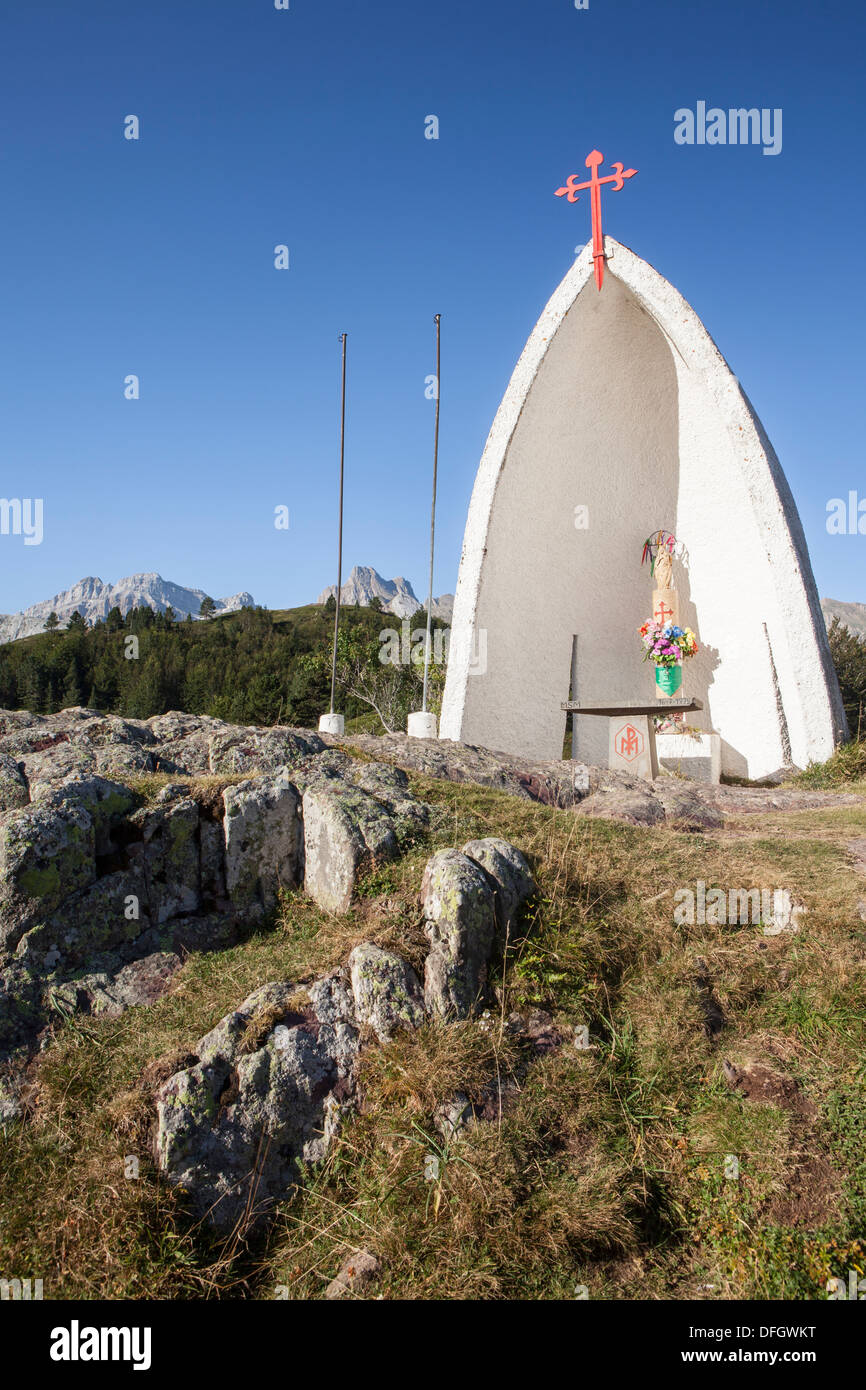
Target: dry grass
column 604, row 1167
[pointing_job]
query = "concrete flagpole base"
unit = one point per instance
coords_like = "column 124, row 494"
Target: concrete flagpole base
column 422, row 724
column 332, row 724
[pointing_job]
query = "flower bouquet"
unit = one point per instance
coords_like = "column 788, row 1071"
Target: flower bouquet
column 667, row 647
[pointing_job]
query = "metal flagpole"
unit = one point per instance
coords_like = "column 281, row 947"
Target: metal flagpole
column 437, row 319
column 340, row 527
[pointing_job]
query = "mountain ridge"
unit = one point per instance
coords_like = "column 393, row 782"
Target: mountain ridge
column 94, row 600
column 397, row 595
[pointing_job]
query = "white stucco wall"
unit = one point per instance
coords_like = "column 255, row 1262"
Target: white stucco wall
column 622, row 403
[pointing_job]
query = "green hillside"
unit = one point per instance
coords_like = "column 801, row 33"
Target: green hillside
column 250, row 667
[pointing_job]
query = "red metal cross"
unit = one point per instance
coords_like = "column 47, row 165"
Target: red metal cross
column 571, row 190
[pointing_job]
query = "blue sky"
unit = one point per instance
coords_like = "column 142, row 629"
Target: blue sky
column 306, row 127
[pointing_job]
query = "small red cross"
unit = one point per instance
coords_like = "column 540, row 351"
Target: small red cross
column 661, row 611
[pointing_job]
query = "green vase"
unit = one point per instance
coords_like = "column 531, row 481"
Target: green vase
column 669, row 679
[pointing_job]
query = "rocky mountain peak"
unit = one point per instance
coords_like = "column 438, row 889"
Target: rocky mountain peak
column 94, row 600
column 397, row 595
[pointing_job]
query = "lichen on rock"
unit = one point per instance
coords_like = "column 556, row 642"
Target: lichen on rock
column 263, row 841
column 233, row 1128
column 387, row 992
column 509, row 876
column 460, row 921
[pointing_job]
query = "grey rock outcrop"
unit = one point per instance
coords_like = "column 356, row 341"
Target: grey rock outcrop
column 46, row 854
column 460, row 922
column 685, row 809
column 637, row 806
column 263, row 841
column 107, row 803
column 47, row 770
column 386, row 990
column 265, row 1094
column 356, row 814
column 183, row 741
column 509, row 875
column 167, row 857
column 141, row 982
column 260, row 750
column 345, row 830
column 88, row 926
column 22, row 1013
column 13, row 784
column 96, row 875
column 564, row 783
column 269, row 1083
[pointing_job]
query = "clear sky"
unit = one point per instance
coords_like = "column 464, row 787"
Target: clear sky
column 306, row 127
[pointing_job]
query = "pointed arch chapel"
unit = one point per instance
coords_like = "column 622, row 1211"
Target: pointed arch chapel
column 621, row 417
